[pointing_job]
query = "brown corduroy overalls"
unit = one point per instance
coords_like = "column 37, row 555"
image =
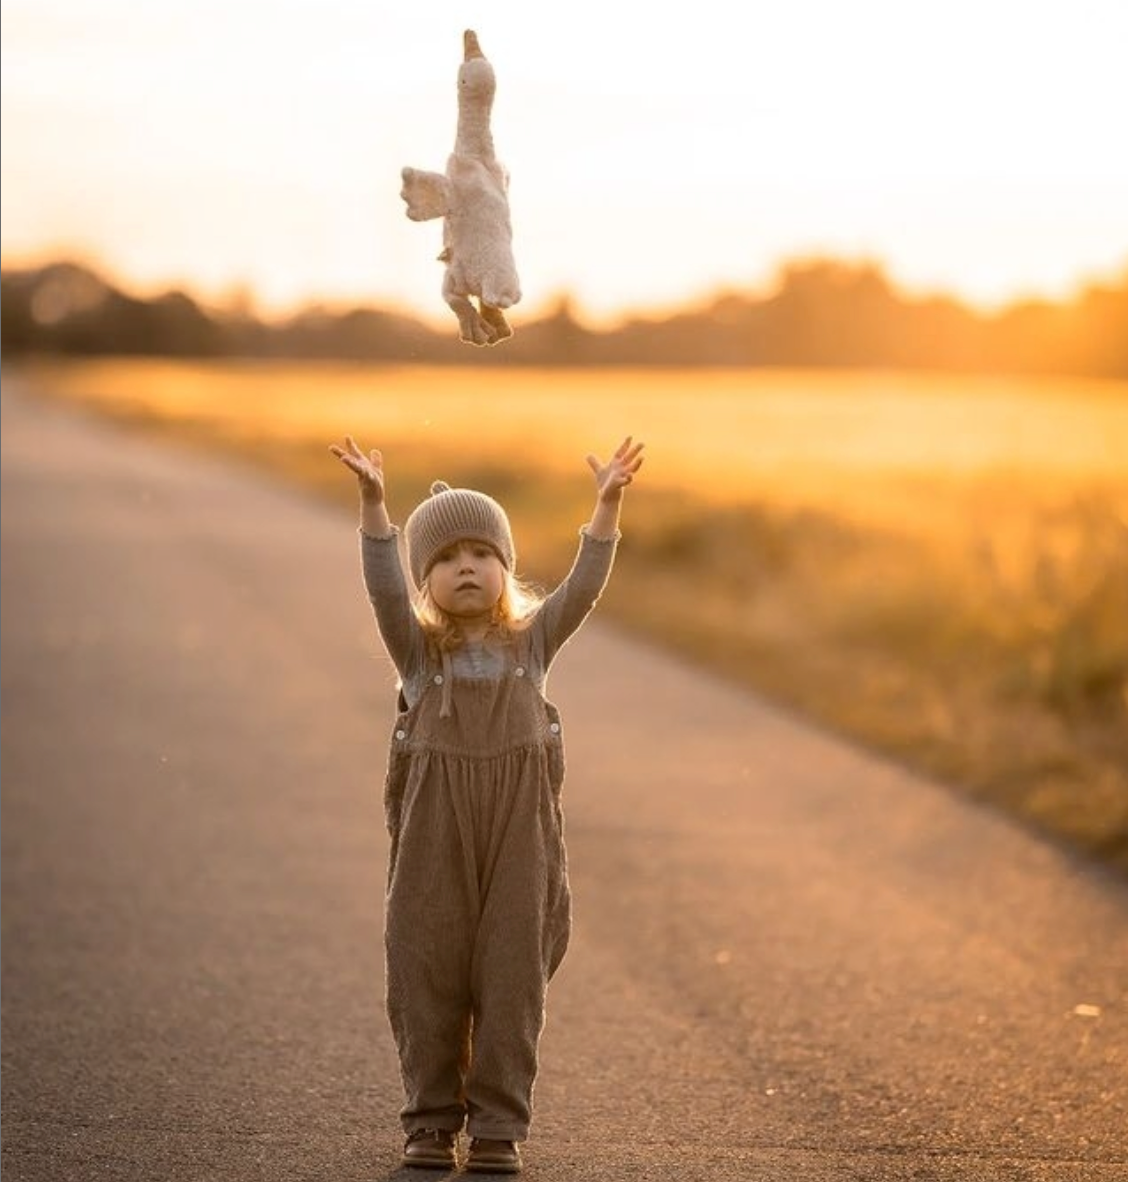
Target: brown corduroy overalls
column 478, row 910
column 478, row 906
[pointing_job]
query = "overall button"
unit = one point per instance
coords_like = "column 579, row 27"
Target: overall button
column 554, row 727
column 520, row 670
column 438, row 679
column 401, row 734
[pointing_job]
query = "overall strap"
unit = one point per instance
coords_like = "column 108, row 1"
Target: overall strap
column 448, row 679
column 523, row 649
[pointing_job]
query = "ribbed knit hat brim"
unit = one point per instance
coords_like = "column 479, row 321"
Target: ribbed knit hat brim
column 452, row 515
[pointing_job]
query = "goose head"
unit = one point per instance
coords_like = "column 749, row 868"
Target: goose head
column 476, row 80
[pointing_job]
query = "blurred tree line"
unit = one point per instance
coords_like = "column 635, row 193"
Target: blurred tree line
column 821, row 312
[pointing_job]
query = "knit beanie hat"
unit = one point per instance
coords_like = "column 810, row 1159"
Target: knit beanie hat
column 451, row 515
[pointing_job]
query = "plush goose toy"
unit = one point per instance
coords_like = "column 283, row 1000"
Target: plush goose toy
column 472, row 198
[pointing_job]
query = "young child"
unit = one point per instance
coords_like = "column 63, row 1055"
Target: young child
column 478, row 909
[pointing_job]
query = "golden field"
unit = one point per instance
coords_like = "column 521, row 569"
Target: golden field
column 935, row 565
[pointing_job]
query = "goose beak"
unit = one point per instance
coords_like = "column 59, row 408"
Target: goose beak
column 470, row 47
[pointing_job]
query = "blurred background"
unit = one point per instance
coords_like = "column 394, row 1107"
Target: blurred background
column 858, row 275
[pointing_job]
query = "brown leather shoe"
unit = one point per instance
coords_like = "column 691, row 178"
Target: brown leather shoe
column 493, row 1157
column 430, row 1149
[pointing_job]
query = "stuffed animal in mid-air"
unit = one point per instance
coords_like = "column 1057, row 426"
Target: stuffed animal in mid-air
column 472, row 198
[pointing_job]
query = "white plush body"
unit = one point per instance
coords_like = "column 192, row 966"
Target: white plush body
column 472, row 198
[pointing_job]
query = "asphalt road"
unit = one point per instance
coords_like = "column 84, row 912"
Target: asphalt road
column 791, row 960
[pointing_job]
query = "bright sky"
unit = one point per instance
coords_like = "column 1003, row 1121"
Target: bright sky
column 973, row 146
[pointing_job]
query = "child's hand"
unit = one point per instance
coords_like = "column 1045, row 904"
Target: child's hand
column 369, row 469
column 611, row 478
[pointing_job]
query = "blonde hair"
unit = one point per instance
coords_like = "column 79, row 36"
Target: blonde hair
column 518, row 603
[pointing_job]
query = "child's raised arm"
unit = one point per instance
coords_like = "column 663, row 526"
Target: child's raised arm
column 369, row 469
column 610, row 480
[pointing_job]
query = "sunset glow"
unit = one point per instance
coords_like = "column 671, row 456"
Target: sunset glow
column 253, row 148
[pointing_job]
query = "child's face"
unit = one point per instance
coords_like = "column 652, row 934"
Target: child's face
column 467, row 579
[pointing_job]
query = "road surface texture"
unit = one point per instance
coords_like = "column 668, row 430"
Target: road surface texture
column 791, row 960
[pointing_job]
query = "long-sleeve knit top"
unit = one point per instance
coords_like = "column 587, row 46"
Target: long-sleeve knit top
column 558, row 617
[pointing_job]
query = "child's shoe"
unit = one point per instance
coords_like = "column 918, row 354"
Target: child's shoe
column 493, row 1157
column 431, row 1149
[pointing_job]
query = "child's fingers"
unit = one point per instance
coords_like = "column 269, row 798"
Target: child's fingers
column 345, row 458
column 629, row 465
